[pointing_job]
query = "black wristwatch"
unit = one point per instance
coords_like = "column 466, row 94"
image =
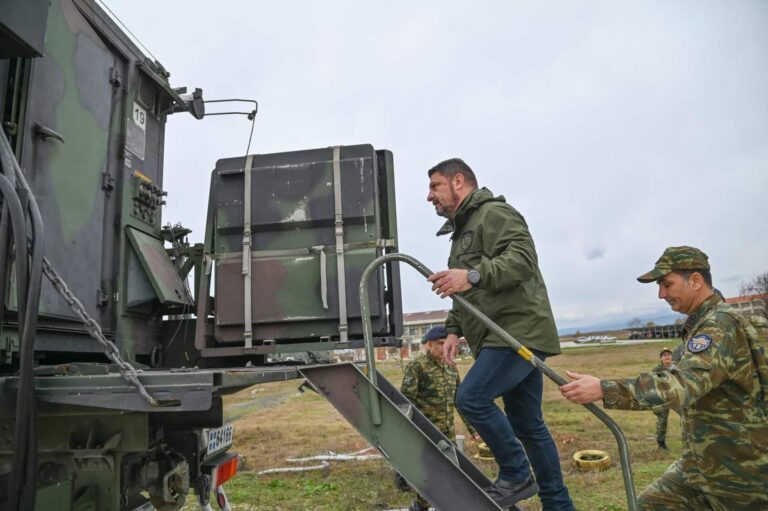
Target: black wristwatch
column 473, row 276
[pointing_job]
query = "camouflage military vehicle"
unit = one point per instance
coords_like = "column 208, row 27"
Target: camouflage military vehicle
column 118, row 336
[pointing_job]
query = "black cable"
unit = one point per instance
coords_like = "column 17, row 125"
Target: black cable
column 16, row 493
column 23, row 481
column 26, row 373
column 5, row 253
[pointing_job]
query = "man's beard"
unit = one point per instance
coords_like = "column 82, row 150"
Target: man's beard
column 444, row 211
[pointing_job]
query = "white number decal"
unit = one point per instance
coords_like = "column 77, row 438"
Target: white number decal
column 139, row 116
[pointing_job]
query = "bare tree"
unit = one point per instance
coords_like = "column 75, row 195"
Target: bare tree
column 757, row 286
column 635, row 323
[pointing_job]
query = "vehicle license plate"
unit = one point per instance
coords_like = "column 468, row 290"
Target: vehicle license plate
column 220, row 438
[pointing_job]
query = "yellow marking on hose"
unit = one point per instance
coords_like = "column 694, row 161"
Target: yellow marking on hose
column 141, row 176
column 525, row 353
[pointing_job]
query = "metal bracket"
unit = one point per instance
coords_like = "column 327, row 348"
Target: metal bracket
column 45, row 133
column 102, row 298
column 114, row 78
column 107, row 183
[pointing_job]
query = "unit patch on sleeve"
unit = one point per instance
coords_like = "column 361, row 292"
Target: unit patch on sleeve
column 699, row 343
column 466, row 239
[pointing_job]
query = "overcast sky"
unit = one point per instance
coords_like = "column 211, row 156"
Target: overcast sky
column 616, row 128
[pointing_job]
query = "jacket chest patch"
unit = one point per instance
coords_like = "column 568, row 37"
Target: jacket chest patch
column 466, row 240
column 699, row 343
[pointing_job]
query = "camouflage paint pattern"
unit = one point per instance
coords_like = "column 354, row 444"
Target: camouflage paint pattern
column 105, row 99
column 719, row 386
column 162, row 274
column 99, row 185
column 81, row 455
column 294, row 247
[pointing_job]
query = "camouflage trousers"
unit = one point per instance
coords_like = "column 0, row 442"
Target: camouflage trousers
column 670, row 493
column 662, row 419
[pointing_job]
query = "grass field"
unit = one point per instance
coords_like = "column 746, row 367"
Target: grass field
column 274, row 422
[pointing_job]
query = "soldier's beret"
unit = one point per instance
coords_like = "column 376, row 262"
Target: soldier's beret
column 435, row 333
column 676, row 258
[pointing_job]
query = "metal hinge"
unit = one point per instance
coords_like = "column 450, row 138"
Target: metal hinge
column 102, row 298
column 114, row 78
column 107, row 183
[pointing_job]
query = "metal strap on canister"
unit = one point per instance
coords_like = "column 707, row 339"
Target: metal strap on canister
column 323, row 274
column 339, row 231
column 248, row 323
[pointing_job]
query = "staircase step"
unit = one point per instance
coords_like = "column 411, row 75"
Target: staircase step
column 407, row 440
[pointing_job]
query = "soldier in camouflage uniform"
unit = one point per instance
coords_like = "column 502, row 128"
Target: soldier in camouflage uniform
column 430, row 384
column 719, row 386
column 662, row 416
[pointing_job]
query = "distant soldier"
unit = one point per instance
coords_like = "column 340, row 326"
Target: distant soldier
column 430, row 384
column 662, row 416
column 720, row 387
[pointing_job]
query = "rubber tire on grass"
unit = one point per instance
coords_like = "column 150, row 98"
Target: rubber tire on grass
column 592, row 460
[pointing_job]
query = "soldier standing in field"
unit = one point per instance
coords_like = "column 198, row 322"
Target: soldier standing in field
column 430, row 384
column 662, row 416
column 719, row 386
column 494, row 265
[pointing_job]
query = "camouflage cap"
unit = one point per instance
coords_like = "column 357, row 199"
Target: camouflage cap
column 676, row 258
column 665, row 350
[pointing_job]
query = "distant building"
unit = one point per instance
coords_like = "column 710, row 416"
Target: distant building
column 656, row 331
column 750, row 305
column 747, row 306
column 416, row 324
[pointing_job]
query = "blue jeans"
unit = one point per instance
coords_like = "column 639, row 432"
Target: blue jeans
column 501, row 372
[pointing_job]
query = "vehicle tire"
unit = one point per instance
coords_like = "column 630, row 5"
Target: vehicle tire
column 591, row 460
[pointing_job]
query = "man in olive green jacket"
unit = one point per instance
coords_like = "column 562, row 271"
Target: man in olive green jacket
column 493, row 264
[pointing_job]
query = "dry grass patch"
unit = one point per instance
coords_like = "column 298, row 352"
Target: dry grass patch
column 283, row 423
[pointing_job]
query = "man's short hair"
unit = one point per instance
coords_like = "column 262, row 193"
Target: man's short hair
column 453, row 166
column 705, row 274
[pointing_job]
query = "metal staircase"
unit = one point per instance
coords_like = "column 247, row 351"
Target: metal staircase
column 410, row 442
column 407, row 440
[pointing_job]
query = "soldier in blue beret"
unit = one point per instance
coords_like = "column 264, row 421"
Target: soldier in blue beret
column 430, row 384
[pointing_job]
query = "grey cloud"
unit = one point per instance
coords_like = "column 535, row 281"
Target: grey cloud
column 592, row 253
column 593, row 126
